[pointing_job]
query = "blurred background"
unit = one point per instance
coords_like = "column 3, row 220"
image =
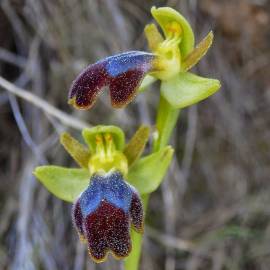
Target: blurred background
column 213, row 209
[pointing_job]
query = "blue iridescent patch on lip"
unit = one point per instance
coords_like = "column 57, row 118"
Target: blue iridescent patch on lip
column 111, row 188
column 121, row 63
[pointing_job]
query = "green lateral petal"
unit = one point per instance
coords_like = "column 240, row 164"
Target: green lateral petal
column 66, row 184
column 89, row 135
column 186, row 89
column 166, row 15
column 136, row 145
column 154, row 38
column 77, row 151
column 197, row 54
column 147, row 174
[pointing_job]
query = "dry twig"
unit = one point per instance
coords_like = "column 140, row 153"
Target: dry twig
column 65, row 118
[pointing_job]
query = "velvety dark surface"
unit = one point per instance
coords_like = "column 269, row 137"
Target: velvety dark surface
column 122, row 73
column 104, row 213
column 107, row 228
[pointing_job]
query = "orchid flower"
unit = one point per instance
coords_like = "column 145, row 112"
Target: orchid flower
column 172, row 56
column 106, row 191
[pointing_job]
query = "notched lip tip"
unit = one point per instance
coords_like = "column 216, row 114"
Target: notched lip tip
column 106, row 256
column 120, row 257
column 108, row 251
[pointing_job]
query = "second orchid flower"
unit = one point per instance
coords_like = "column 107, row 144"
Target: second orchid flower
column 106, row 190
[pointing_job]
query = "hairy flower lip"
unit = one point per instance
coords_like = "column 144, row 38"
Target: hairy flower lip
column 104, row 213
column 122, row 72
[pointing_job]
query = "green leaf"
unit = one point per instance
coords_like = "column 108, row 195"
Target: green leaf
column 89, row 135
column 66, row 184
column 186, row 89
column 77, row 151
column 147, row 174
column 136, row 145
column 166, row 15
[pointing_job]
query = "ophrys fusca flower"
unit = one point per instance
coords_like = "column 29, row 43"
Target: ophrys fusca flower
column 104, row 213
column 106, row 190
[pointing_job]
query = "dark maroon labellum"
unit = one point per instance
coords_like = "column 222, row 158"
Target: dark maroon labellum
column 104, row 213
column 123, row 73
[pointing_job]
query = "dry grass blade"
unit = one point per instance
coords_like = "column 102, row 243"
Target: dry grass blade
column 66, row 119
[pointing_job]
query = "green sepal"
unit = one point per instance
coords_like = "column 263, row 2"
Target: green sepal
column 77, row 151
column 166, row 15
column 186, row 89
column 89, row 135
column 147, row 174
column 66, row 184
column 136, row 145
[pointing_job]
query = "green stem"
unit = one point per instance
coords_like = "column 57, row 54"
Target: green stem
column 165, row 123
column 166, row 120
